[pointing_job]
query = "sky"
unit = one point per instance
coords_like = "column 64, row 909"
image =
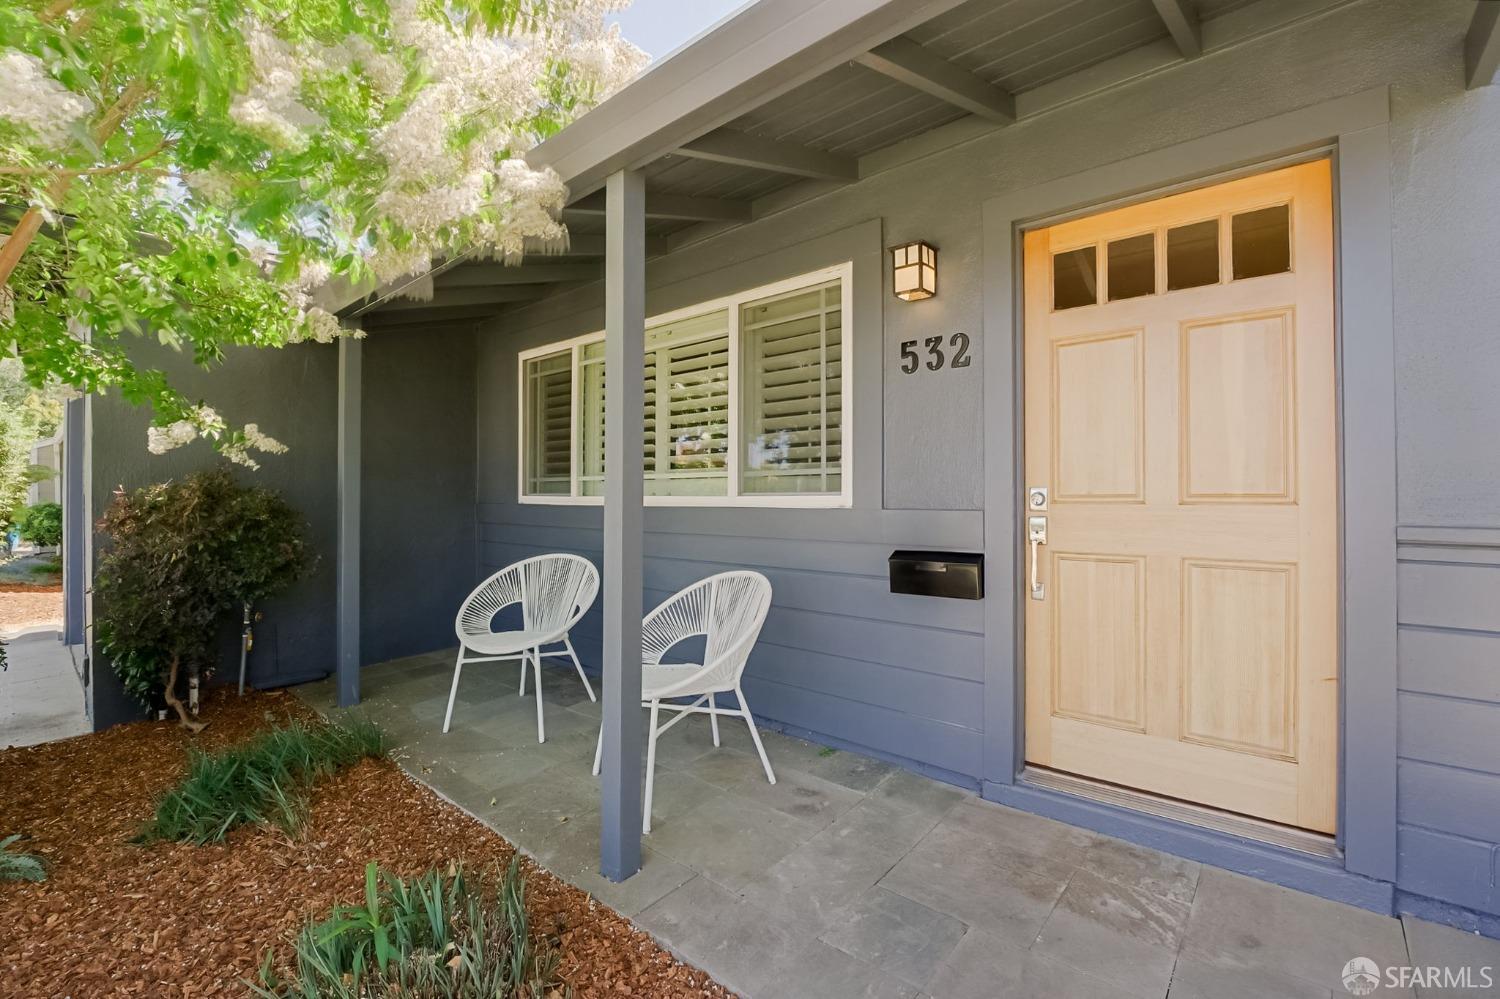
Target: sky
column 659, row 26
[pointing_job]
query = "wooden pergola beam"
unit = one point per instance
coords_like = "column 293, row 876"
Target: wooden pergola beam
column 726, row 145
column 1181, row 20
column 904, row 60
column 1482, row 46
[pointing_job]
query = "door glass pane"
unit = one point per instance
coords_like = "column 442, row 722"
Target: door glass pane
column 548, row 424
column 1075, row 278
column 1261, row 241
column 1193, row 255
column 1132, row 267
column 792, row 378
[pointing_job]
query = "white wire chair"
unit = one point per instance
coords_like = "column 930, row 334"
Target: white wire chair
column 727, row 610
column 554, row 591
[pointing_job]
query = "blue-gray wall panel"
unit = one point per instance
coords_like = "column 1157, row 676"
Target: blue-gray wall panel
column 290, row 394
column 417, row 524
column 1449, row 779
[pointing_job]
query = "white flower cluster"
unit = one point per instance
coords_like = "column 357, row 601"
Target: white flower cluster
column 452, row 153
column 318, row 325
column 239, row 451
column 160, row 440
column 32, row 99
column 271, row 108
column 208, row 424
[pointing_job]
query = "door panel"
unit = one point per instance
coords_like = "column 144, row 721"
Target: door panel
column 1179, row 395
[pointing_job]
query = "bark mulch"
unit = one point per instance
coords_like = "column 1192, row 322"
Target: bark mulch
column 170, row 920
column 23, row 606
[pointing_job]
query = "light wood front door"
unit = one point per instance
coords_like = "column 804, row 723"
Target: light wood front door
column 1181, row 635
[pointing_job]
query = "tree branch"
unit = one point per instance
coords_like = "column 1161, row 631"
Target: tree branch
column 89, row 171
column 31, row 223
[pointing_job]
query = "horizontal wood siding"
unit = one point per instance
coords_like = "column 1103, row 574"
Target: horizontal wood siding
column 1448, row 785
column 840, row 656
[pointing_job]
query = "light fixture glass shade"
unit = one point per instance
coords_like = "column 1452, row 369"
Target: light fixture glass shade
column 914, row 271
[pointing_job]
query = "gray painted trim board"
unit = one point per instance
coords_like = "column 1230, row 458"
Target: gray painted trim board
column 350, row 477
column 1356, row 129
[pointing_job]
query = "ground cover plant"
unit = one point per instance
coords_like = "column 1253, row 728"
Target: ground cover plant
column 16, row 865
column 171, row 920
column 262, row 782
column 440, row 935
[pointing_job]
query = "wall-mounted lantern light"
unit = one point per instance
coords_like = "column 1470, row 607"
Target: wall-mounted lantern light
column 914, row 271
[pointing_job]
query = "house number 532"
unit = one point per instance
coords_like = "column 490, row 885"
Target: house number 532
column 911, row 360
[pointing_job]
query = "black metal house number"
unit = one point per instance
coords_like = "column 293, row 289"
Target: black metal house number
column 911, row 360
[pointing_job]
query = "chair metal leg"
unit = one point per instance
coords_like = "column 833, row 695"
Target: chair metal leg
column 579, row 666
column 536, row 667
column 458, row 667
column 745, row 710
column 650, row 770
column 713, row 719
column 523, row 675
column 599, row 750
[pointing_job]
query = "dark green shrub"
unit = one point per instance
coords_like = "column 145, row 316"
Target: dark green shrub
column 435, row 936
column 41, row 524
column 263, row 782
column 180, row 557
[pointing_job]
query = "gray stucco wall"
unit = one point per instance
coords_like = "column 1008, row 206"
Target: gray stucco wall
column 417, row 525
column 844, row 659
column 290, row 394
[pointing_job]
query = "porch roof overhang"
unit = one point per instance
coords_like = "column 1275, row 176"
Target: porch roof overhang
column 785, row 101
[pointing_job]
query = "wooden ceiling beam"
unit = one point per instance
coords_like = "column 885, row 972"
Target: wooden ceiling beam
column 726, row 145
column 1181, row 20
column 673, row 206
column 1482, row 46
column 464, row 295
column 491, row 274
column 432, row 315
column 905, row 61
column 591, row 244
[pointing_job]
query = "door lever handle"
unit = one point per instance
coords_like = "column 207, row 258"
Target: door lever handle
column 1036, row 536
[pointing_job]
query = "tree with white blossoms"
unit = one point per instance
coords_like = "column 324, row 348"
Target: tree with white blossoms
column 194, row 170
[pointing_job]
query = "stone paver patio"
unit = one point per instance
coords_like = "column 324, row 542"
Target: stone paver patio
column 853, row 878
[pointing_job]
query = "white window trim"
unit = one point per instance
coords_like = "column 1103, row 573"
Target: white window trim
column 844, row 273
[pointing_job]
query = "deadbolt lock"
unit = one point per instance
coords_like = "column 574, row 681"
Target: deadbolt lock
column 1036, row 498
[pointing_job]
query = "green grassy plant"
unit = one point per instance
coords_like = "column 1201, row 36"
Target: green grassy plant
column 18, row 866
column 264, row 782
column 436, row 936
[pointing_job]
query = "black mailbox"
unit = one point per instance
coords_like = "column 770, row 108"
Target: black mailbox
column 959, row 575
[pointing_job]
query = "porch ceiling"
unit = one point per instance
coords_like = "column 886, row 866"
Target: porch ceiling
column 927, row 74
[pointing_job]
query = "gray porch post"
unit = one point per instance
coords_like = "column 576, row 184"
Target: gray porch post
column 76, row 520
column 624, row 415
column 349, row 429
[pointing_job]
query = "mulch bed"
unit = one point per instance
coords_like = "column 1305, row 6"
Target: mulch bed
column 170, row 920
column 23, row 606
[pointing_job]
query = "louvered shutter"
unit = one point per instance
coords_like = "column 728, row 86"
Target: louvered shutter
column 792, row 397
column 549, row 424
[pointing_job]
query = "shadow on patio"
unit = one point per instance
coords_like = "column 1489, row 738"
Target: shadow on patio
column 852, row 877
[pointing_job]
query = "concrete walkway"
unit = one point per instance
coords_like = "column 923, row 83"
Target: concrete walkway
column 852, row 878
column 41, row 699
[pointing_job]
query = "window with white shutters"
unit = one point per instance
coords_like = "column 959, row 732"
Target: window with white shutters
column 548, row 424
column 743, row 404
